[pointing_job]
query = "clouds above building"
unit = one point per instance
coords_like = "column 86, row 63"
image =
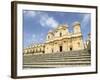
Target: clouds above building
column 42, row 18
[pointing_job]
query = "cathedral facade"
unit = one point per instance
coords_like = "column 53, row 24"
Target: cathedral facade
column 59, row 40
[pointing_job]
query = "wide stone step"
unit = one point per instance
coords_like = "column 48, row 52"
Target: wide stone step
column 55, row 58
column 57, row 63
column 58, row 59
column 54, row 65
column 62, row 54
column 63, row 61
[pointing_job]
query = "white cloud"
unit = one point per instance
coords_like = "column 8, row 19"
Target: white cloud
column 43, row 18
column 84, row 25
column 30, row 13
column 33, row 36
column 52, row 22
column 47, row 21
column 84, row 22
column 86, row 19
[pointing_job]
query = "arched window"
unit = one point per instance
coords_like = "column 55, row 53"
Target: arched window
column 60, row 34
column 48, row 37
column 52, row 50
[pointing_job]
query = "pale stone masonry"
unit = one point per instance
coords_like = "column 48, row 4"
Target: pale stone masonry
column 59, row 40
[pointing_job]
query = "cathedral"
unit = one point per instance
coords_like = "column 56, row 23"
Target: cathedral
column 59, row 40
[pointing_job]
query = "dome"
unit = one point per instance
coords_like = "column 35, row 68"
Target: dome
column 62, row 26
column 50, row 31
column 76, row 23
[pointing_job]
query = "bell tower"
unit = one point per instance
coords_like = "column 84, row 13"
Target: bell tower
column 65, row 29
column 76, row 27
column 78, row 38
column 50, row 35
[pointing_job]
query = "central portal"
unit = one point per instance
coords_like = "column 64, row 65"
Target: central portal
column 60, row 48
column 70, row 48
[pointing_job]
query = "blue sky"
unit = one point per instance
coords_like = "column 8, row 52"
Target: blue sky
column 36, row 24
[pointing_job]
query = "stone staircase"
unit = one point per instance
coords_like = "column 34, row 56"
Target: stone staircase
column 63, row 59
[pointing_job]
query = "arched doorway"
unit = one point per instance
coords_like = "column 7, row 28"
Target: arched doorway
column 70, row 48
column 60, row 48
